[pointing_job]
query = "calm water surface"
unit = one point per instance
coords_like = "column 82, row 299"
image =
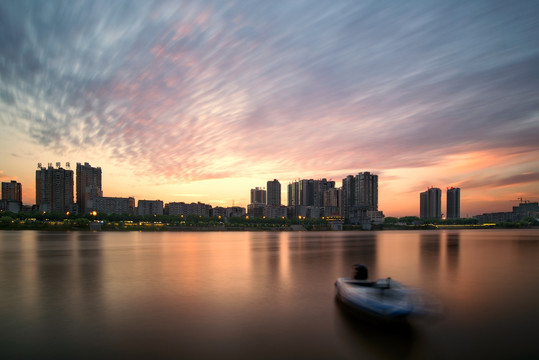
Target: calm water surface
column 262, row 295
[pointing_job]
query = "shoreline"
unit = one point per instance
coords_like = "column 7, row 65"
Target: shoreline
column 164, row 228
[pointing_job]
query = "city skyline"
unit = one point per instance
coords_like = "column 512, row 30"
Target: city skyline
column 362, row 189
column 203, row 101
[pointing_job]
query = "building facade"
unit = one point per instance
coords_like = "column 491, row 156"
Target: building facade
column 308, row 193
column 359, row 195
column 258, row 196
column 332, row 202
column 150, row 207
column 453, row 203
column 54, row 189
column 115, row 205
column 89, row 187
column 183, row 209
column 273, row 193
column 275, row 212
column 430, row 204
column 366, row 192
column 12, row 191
column 256, row 210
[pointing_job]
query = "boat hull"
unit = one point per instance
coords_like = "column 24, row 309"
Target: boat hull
column 380, row 299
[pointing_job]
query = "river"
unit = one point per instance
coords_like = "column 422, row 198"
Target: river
column 262, row 295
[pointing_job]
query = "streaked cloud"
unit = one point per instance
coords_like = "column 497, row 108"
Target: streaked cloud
column 200, row 90
column 500, row 181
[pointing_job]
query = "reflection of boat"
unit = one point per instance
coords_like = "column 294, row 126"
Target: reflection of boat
column 383, row 298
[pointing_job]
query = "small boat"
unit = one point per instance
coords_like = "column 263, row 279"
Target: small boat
column 382, row 299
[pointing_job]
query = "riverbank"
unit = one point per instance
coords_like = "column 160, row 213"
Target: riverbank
column 156, row 227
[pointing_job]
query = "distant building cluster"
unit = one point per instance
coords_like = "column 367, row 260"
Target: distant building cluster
column 356, row 200
column 430, row 203
column 55, row 192
column 524, row 210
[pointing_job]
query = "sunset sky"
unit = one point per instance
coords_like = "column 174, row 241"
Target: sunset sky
column 204, row 100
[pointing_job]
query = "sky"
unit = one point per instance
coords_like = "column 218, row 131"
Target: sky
column 204, row 100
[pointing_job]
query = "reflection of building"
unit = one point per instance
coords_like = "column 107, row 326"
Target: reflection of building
column 114, row 205
column 54, row 189
column 274, row 193
column 430, row 252
column 88, row 187
column 12, row 191
column 430, row 204
column 150, row 207
column 453, row 203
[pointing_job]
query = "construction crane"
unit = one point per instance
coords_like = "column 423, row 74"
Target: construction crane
column 522, row 201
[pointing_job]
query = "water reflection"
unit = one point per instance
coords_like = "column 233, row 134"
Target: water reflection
column 452, row 253
column 260, row 294
column 383, row 341
column 90, row 274
column 430, row 253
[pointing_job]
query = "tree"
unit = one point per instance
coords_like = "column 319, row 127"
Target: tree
column 5, row 220
column 409, row 220
column 82, row 222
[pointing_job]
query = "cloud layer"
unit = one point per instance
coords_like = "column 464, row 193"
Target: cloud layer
column 208, row 90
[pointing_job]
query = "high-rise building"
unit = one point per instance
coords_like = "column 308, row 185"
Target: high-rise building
column 332, row 202
column 347, row 195
column 453, row 203
column 308, row 192
column 366, row 193
column 12, row 191
column 274, row 193
column 320, row 187
column 332, row 197
column 430, row 204
column 54, row 188
column 89, row 187
column 359, row 195
column 258, row 196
